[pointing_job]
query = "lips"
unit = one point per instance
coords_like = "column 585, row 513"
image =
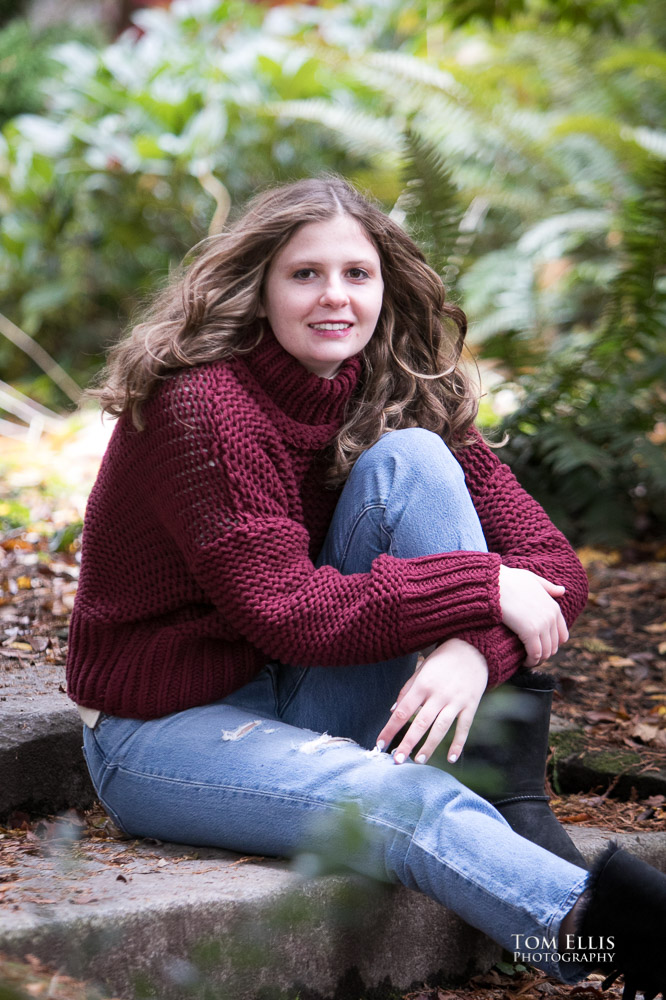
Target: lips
column 332, row 331
column 331, row 326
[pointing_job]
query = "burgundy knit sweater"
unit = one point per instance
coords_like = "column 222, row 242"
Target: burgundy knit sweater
column 201, row 530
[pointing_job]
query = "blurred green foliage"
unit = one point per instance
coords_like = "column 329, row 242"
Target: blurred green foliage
column 521, row 141
column 26, row 63
column 13, row 514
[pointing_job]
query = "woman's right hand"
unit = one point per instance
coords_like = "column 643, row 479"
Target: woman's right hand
column 529, row 610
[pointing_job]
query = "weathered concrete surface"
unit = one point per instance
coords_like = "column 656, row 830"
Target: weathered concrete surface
column 41, row 762
column 650, row 847
column 168, row 915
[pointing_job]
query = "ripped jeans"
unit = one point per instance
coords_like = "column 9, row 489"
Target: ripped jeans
column 255, row 773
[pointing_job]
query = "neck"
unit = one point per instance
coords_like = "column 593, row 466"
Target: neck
column 304, row 396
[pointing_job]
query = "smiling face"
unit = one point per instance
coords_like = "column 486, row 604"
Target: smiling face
column 323, row 293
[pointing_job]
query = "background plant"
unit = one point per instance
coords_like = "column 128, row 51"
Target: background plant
column 517, row 140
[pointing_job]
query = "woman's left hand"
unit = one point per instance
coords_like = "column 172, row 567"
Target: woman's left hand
column 448, row 685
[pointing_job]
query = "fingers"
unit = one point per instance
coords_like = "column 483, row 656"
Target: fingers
column 401, row 713
column 427, row 719
column 448, row 686
column 465, row 720
column 533, row 648
column 554, row 589
column 398, row 717
column 542, row 643
column 397, row 720
column 433, row 720
column 438, row 726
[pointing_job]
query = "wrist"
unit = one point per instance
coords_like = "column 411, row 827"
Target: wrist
column 463, row 647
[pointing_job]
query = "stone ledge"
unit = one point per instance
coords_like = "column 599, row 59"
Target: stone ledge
column 168, row 916
column 41, row 761
column 576, row 768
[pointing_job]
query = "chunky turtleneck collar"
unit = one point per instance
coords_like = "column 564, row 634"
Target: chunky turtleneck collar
column 303, row 396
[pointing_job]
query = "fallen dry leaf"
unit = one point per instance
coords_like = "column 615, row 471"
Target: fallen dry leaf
column 645, row 732
column 620, row 661
column 655, row 628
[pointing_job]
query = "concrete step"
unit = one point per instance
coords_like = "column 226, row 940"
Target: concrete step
column 164, row 920
column 41, row 762
column 158, row 919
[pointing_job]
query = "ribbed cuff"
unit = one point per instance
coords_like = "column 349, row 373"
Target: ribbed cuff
column 503, row 650
column 447, row 593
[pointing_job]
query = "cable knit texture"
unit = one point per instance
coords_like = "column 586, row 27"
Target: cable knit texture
column 200, row 536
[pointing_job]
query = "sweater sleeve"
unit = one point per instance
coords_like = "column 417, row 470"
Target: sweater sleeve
column 518, row 529
column 222, row 500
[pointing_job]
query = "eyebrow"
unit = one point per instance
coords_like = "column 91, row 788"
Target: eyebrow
column 317, row 263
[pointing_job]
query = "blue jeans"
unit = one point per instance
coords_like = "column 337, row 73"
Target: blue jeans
column 274, row 767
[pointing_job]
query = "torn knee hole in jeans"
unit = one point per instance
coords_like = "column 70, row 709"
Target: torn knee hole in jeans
column 322, row 743
column 241, row 731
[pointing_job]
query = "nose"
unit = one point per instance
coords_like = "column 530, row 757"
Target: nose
column 334, row 293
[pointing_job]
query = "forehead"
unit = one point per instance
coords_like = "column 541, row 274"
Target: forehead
column 339, row 236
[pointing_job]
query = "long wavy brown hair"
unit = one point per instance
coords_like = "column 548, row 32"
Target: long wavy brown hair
column 411, row 374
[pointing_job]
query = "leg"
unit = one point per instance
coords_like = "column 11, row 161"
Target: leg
column 406, row 496
column 225, row 776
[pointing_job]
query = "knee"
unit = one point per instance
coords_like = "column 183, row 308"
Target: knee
column 421, row 451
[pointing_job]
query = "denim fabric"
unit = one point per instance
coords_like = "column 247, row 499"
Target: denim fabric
column 272, row 768
column 405, row 496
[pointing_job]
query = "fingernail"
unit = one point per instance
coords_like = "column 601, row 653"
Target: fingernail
column 399, row 758
column 421, row 759
column 453, row 757
column 380, row 744
column 394, row 705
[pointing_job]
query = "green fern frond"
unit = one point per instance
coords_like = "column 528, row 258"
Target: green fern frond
column 357, row 131
column 432, row 205
column 518, row 317
column 639, row 60
column 586, row 221
column 403, row 67
column 638, row 301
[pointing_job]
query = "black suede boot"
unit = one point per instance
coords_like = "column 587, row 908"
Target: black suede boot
column 624, row 914
column 514, row 755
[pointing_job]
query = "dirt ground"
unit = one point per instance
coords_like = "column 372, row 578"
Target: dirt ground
column 612, row 679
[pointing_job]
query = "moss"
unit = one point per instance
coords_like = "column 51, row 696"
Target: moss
column 571, row 754
column 572, row 741
column 566, row 743
column 611, row 761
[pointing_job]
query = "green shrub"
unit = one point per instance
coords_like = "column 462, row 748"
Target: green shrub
column 526, row 158
column 589, row 437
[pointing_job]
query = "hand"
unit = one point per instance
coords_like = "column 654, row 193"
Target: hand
column 446, row 686
column 529, row 610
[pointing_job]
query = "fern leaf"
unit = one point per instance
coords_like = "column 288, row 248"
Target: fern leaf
column 358, row 131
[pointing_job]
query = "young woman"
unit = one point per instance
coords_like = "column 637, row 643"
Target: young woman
column 295, row 503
